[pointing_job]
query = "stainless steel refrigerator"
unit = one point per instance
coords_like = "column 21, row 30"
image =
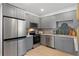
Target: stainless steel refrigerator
column 14, row 37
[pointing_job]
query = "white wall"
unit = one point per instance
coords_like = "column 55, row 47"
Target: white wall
column 0, row 29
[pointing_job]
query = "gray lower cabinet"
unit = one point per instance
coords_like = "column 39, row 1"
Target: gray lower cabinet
column 58, row 43
column 52, row 42
column 47, row 40
column 10, row 48
column 43, row 40
column 22, row 43
column 29, row 43
column 64, row 44
column 69, row 45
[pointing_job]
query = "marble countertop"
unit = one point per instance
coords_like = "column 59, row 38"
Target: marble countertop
column 29, row 35
column 60, row 35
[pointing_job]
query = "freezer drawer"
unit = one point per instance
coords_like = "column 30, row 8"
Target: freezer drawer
column 10, row 48
column 10, row 28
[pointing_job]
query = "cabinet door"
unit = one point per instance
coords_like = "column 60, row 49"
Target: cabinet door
column 59, row 43
column 29, row 43
column 52, row 42
column 59, row 17
column 10, row 28
column 68, row 45
column 9, row 10
column 68, row 15
column 43, row 40
column 20, row 13
column 22, row 46
column 21, row 28
column 43, row 23
column 10, row 48
column 64, row 44
column 48, row 39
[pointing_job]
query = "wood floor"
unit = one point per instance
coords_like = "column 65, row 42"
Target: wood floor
column 45, row 51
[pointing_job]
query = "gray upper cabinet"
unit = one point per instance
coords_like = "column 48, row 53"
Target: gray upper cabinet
column 12, row 11
column 9, row 10
column 34, row 19
column 48, row 22
column 66, row 16
column 59, row 17
column 20, row 13
column 44, row 23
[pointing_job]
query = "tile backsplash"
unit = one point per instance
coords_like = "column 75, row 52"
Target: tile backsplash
column 49, row 31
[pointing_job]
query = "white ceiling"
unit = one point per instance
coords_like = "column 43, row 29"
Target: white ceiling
column 48, row 7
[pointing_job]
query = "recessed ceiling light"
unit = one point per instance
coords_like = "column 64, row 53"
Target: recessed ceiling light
column 42, row 10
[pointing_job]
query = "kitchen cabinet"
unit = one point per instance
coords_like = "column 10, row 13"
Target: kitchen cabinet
column 20, row 13
column 59, row 17
column 45, row 23
column 43, row 40
column 9, row 10
column 47, row 40
column 58, row 43
column 34, row 19
column 12, row 11
column 66, row 16
column 48, row 22
column 22, row 42
column 10, row 48
column 29, row 43
column 52, row 42
column 68, row 45
column 77, row 12
column 65, row 44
